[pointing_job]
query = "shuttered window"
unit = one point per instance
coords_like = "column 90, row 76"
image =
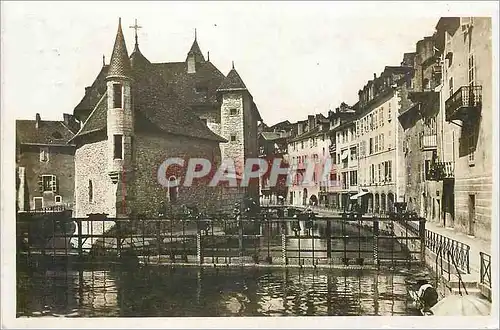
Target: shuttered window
column 47, row 183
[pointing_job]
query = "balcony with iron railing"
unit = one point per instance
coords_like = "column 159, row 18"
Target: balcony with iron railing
column 439, row 171
column 428, row 141
column 464, row 103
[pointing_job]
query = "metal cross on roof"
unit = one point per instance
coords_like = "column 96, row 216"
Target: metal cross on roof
column 135, row 27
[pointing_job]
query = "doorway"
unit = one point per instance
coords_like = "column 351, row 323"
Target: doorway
column 472, row 214
column 38, row 203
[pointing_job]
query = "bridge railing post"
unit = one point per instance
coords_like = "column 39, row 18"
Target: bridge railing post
column 283, row 248
column 328, row 234
column 240, row 236
column 199, row 252
column 421, row 230
column 118, row 238
column 375, row 241
column 80, row 240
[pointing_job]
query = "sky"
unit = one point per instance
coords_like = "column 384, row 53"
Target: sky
column 296, row 58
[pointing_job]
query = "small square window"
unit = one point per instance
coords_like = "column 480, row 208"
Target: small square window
column 58, row 199
column 233, row 111
column 233, row 138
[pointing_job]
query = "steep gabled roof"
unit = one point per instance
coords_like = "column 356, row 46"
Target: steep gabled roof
column 97, row 119
column 155, row 104
column 93, row 94
column 49, row 132
column 308, row 134
column 164, row 108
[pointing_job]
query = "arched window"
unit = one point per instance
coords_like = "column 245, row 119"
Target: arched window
column 91, row 192
column 172, row 191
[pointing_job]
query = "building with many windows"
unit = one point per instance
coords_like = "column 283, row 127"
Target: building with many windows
column 465, row 130
column 381, row 167
column 419, row 122
column 344, row 156
column 308, row 149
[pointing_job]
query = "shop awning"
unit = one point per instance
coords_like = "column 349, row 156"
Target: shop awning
column 360, row 194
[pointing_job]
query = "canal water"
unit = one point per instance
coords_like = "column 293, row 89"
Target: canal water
column 161, row 291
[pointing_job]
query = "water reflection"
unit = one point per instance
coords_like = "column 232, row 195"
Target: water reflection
column 163, row 291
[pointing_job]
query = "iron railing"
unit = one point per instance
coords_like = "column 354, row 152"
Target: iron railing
column 458, row 251
column 485, row 269
column 428, row 141
column 438, row 171
column 465, row 97
column 461, row 283
column 48, row 209
column 270, row 238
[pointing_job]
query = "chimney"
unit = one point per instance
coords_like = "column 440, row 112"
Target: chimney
column 71, row 122
column 38, row 119
column 310, row 122
column 300, row 128
column 67, row 118
column 87, row 89
column 374, row 76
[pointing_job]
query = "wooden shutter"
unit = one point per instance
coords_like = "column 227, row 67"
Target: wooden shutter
column 53, row 183
column 40, row 183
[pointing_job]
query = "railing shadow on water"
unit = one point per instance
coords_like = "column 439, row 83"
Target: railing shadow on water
column 270, row 238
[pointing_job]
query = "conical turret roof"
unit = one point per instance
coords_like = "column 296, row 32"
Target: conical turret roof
column 232, row 82
column 137, row 59
column 196, row 52
column 119, row 65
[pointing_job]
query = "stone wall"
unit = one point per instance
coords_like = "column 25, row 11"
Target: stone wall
column 232, row 125
column 91, row 165
column 61, row 164
column 473, row 180
column 151, row 151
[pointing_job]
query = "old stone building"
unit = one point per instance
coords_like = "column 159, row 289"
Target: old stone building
column 308, row 149
column 464, row 131
column 381, row 162
column 136, row 114
column 239, row 118
column 45, row 163
column 273, row 144
column 344, row 156
column 419, row 122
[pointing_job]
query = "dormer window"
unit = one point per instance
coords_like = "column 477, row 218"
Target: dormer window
column 44, row 154
column 117, row 96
